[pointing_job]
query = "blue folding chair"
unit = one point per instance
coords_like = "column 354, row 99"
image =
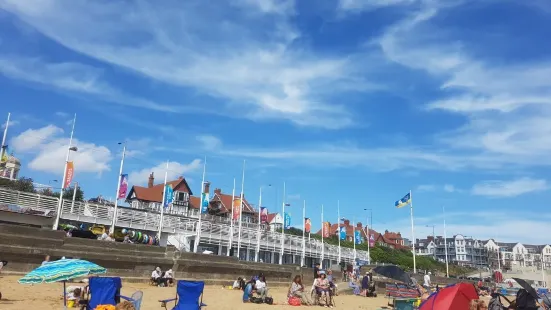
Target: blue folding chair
column 103, row 291
column 189, row 296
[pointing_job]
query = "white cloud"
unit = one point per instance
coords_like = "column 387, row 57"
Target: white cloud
column 49, row 148
column 449, row 188
column 510, row 188
column 209, row 142
column 247, row 60
column 10, row 124
column 62, row 114
column 368, row 5
column 175, row 170
column 426, row 188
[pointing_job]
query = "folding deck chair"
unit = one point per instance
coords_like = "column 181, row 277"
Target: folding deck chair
column 189, row 296
column 102, row 291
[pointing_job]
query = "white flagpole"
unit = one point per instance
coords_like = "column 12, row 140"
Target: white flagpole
column 241, row 213
column 339, row 228
column 446, row 243
column 4, row 147
column 114, row 221
column 412, row 232
column 198, row 235
column 322, row 244
column 58, row 213
column 230, row 244
column 303, row 258
column 282, row 229
column 368, row 238
column 257, row 254
column 163, row 204
column 353, row 238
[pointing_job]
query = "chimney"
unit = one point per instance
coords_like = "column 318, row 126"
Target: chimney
column 207, row 187
column 217, row 191
column 180, row 177
column 359, row 225
column 151, row 180
column 346, row 223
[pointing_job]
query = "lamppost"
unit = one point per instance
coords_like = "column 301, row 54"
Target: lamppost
column 433, row 240
column 370, row 226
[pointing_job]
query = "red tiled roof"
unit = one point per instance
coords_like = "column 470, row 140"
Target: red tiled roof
column 227, row 203
column 155, row 193
column 194, row 202
column 271, row 217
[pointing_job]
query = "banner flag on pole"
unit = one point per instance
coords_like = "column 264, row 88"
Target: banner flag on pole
column 263, row 215
column 287, row 220
column 326, row 229
column 69, row 174
column 307, row 225
column 406, row 200
column 236, row 208
column 169, row 193
column 123, row 188
column 358, row 237
column 204, row 202
column 371, row 240
column 342, row 233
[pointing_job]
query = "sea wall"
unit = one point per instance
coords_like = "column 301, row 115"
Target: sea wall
column 26, row 247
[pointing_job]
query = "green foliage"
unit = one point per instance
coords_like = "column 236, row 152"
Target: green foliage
column 22, row 184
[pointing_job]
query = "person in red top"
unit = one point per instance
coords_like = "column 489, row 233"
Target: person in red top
column 480, row 284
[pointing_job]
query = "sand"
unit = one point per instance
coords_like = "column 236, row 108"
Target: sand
column 16, row 296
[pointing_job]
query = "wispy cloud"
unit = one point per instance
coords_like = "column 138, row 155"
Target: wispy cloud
column 175, row 170
column 449, row 188
column 357, row 6
column 510, row 188
column 248, row 60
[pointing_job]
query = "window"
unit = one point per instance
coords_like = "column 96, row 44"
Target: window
column 181, row 196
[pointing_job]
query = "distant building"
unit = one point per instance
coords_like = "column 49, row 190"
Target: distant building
column 425, row 247
column 223, row 203
column 9, row 167
column 349, row 229
column 516, row 255
column 275, row 220
column 463, row 251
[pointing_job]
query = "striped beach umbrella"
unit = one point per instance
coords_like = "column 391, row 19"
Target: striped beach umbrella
column 62, row 270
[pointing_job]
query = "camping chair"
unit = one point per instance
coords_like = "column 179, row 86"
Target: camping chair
column 135, row 299
column 189, row 296
column 102, row 291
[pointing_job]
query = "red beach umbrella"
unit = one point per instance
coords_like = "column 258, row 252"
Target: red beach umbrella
column 454, row 297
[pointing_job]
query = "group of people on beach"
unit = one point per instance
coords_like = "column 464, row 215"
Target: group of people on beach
column 162, row 279
column 255, row 290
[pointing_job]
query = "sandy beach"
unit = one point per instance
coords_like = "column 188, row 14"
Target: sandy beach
column 16, row 296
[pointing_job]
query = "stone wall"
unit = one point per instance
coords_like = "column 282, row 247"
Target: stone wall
column 26, row 247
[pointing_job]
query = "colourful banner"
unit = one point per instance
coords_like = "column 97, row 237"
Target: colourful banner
column 358, row 236
column 169, row 193
column 342, row 233
column 123, row 187
column 263, row 215
column 372, row 240
column 204, row 202
column 236, row 208
column 287, row 220
column 69, row 174
column 406, row 200
column 307, row 225
column 326, row 227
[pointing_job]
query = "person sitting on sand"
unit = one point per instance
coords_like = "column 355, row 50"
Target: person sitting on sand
column 248, row 291
column 261, row 288
column 168, row 277
column 73, row 293
column 297, row 290
column 156, row 276
column 323, row 290
column 237, row 284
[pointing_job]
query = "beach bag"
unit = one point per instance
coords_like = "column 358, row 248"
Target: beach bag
column 525, row 301
column 256, row 300
column 294, row 301
column 495, row 304
column 269, row 300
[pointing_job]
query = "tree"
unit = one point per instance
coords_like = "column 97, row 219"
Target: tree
column 22, row 184
column 67, row 193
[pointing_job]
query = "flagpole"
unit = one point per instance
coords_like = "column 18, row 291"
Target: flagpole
column 258, row 231
column 58, row 213
column 339, row 228
column 303, row 258
column 368, row 238
column 163, row 204
column 114, row 221
column 198, row 236
column 446, row 244
column 283, row 228
column 4, row 147
column 412, row 232
column 354, row 237
column 240, row 213
column 322, row 233
column 230, row 244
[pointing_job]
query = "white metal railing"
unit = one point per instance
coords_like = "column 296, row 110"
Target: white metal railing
column 214, row 230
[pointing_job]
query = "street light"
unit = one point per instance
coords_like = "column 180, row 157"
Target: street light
column 433, row 239
column 370, row 226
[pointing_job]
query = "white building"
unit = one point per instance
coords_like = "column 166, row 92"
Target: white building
column 518, row 255
column 425, row 247
column 462, row 250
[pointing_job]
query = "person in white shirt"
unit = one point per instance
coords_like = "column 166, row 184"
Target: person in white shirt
column 169, row 277
column 156, row 276
column 261, row 288
column 426, row 281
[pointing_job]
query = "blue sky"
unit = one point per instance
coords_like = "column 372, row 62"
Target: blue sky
column 350, row 100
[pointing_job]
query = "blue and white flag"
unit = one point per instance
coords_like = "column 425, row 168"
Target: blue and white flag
column 204, row 202
column 168, row 195
column 342, row 233
column 358, row 237
column 287, row 220
column 404, row 201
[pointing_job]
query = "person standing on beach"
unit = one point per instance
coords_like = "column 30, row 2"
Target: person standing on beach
column 426, row 281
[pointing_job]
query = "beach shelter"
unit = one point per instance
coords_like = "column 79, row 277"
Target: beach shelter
column 61, row 271
column 453, row 297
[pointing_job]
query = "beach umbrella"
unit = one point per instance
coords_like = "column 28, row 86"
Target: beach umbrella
column 393, row 272
column 453, row 297
column 61, row 271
